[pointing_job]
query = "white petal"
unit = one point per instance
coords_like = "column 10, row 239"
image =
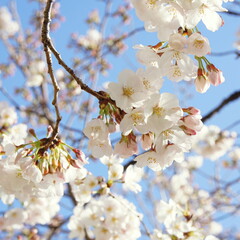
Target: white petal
column 212, row 20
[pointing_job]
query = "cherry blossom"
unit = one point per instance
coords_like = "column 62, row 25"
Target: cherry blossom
column 198, row 45
column 8, row 27
column 128, row 92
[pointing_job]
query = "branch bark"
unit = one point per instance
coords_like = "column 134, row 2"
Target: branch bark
column 234, row 96
column 48, row 42
column 45, row 40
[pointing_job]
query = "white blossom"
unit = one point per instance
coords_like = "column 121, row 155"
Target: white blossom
column 128, row 92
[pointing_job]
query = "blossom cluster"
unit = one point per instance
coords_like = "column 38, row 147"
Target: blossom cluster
column 212, row 143
column 175, row 22
column 178, row 223
column 164, row 126
column 106, row 218
column 33, row 168
column 8, row 26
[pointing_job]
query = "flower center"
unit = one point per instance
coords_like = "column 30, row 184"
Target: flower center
column 128, row 91
column 176, row 72
column 96, row 129
column 167, row 133
column 158, row 111
column 198, row 44
column 151, row 2
column 136, row 117
column 146, row 83
column 177, row 55
column 151, row 160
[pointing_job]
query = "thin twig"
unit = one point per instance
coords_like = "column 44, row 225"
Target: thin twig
column 72, row 73
column 234, row 124
column 54, row 229
column 230, row 12
column 45, row 40
column 71, row 195
column 234, row 96
column 222, row 54
column 48, row 43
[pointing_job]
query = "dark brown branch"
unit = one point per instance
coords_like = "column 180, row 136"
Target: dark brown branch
column 70, row 193
column 55, row 229
column 222, row 54
column 72, row 73
column 45, row 40
column 230, row 12
column 234, row 96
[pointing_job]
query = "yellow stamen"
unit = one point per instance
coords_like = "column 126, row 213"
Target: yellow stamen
column 158, row 111
column 128, row 91
column 198, row 44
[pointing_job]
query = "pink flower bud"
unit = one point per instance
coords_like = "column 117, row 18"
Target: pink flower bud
column 193, row 122
column 188, row 131
column 80, row 156
column 201, row 82
column 214, row 75
column 191, row 110
column 76, row 163
column 32, row 132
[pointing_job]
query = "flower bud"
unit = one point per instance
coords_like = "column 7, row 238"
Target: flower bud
column 215, row 76
column 191, row 110
column 193, row 121
column 188, row 131
column 80, row 155
column 201, row 82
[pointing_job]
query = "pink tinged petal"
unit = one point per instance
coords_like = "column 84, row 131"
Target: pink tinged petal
column 76, row 163
column 212, row 20
column 146, row 141
column 198, row 45
column 125, row 150
column 215, row 75
column 80, row 155
column 191, row 110
column 202, row 84
column 193, row 121
column 188, row 131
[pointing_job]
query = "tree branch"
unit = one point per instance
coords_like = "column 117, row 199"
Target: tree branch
column 45, row 40
column 222, row 54
column 230, row 12
column 234, row 96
